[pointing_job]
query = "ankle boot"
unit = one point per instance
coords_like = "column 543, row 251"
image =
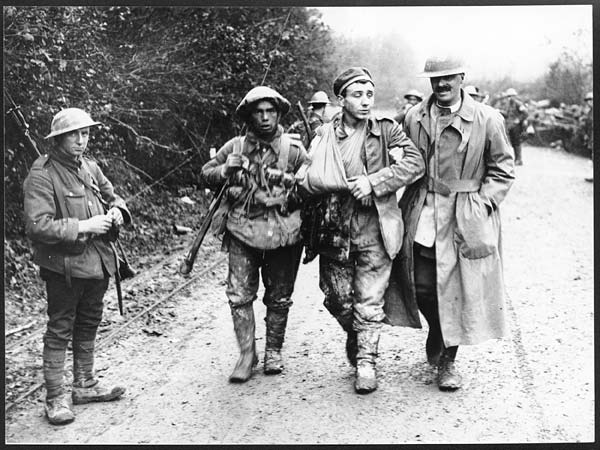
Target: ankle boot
column 276, row 322
column 57, row 408
column 244, row 326
column 366, row 375
column 448, row 377
column 86, row 388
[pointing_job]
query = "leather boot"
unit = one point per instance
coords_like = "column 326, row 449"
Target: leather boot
column 448, row 377
column 276, row 322
column 57, row 407
column 366, row 375
column 244, row 326
column 86, row 388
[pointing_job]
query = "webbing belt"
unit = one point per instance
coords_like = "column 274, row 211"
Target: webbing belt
column 446, row 187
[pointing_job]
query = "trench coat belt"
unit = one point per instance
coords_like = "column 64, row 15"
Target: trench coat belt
column 446, row 187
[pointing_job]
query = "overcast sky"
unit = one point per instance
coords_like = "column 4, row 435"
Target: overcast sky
column 518, row 40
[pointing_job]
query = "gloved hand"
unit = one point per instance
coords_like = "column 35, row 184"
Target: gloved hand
column 232, row 164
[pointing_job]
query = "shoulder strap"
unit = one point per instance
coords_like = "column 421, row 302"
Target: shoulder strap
column 284, row 152
column 238, row 145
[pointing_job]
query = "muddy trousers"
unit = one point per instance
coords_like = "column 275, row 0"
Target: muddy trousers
column 427, row 300
column 354, row 292
column 74, row 312
column 278, row 268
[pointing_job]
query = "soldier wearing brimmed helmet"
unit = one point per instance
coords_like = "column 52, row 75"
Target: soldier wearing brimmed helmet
column 70, row 206
column 450, row 264
column 316, row 117
column 357, row 222
column 261, row 223
column 412, row 98
column 515, row 116
column 474, row 92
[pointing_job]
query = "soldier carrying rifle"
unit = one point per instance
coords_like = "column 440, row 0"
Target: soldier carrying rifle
column 262, row 223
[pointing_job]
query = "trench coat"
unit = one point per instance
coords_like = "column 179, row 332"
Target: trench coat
column 476, row 171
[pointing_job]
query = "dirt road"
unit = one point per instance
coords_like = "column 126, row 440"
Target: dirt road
column 536, row 385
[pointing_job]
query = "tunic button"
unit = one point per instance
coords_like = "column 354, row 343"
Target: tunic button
column 90, row 202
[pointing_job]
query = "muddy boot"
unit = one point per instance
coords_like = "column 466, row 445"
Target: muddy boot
column 448, row 377
column 86, row 388
column 276, row 322
column 366, row 375
column 58, row 410
column 243, row 324
column 57, row 407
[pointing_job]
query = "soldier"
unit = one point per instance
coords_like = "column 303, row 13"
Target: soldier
column 65, row 196
column 450, row 263
column 262, row 225
column 359, row 228
column 474, row 92
column 412, row 97
column 316, row 117
column 515, row 117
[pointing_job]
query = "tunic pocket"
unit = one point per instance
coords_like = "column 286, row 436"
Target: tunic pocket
column 476, row 228
column 75, row 204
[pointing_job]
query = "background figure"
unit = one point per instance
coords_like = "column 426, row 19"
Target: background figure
column 412, row 98
column 261, row 225
column 587, row 123
column 358, row 224
column 316, row 117
column 515, row 117
column 474, row 92
column 66, row 197
column 450, row 263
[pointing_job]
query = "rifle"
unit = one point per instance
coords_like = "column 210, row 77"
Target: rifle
column 21, row 122
column 186, row 266
column 305, row 122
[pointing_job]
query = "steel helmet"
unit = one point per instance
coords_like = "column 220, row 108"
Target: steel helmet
column 510, row 92
column 262, row 93
column 473, row 91
column 319, row 97
column 414, row 93
column 70, row 119
column 589, row 96
column 439, row 66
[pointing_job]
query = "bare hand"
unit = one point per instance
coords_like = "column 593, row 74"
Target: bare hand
column 99, row 224
column 232, row 164
column 360, row 186
column 116, row 215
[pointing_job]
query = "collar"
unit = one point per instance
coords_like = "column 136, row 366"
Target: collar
column 66, row 160
column 256, row 142
column 466, row 110
column 373, row 126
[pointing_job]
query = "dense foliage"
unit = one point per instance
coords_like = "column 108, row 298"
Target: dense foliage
column 163, row 81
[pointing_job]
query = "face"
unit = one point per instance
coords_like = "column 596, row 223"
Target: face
column 358, row 100
column 264, row 118
column 74, row 142
column 412, row 100
column 447, row 88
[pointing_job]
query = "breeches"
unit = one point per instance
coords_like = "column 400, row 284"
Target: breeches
column 73, row 312
column 354, row 288
column 278, row 268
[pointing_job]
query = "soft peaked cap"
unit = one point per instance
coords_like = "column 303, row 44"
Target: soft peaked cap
column 349, row 76
column 262, row 93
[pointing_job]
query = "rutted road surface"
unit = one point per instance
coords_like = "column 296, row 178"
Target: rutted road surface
column 536, row 385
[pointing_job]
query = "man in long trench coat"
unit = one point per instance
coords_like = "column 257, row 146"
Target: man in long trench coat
column 450, row 264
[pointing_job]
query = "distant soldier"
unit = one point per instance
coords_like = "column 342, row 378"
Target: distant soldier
column 587, row 123
column 262, row 225
column 412, row 97
column 450, row 261
column 65, row 218
column 474, row 92
column 515, row 116
column 316, row 117
column 359, row 230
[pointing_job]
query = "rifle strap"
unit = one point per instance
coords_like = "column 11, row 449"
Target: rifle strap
column 284, row 152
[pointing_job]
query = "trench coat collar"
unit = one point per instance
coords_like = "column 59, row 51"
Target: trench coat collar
column 465, row 112
column 66, row 160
